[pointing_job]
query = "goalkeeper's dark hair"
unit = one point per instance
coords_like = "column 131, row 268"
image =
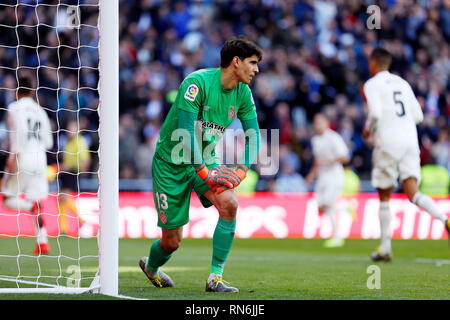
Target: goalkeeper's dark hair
column 382, row 57
column 25, row 86
column 240, row 47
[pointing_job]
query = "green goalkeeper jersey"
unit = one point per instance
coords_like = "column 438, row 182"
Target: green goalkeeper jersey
column 202, row 93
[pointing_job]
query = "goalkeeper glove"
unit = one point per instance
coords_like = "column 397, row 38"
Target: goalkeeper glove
column 240, row 173
column 217, row 177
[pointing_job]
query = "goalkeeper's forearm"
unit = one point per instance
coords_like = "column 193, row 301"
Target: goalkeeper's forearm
column 186, row 121
column 252, row 141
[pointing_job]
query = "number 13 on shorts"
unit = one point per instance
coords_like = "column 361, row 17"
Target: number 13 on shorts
column 161, row 200
column 162, row 206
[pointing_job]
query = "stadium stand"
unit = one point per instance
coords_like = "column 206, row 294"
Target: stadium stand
column 315, row 59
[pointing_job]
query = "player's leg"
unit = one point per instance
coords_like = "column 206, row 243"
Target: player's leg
column 11, row 188
column 42, row 245
column 160, row 252
column 385, row 249
column 335, row 241
column 329, row 211
column 36, row 189
column 162, row 249
column 411, row 189
column 226, row 203
column 410, row 176
column 172, row 188
column 327, row 191
column 324, row 203
column 384, row 179
column 16, row 203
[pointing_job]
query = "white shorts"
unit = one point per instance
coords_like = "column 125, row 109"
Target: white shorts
column 328, row 189
column 34, row 186
column 387, row 169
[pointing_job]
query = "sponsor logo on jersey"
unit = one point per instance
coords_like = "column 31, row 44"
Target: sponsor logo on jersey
column 191, row 92
column 212, row 128
column 231, row 112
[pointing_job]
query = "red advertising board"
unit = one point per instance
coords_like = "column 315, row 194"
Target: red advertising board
column 262, row 215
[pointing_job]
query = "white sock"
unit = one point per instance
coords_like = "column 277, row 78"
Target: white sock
column 385, row 217
column 427, row 204
column 17, row 204
column 41, row 232
column 330, row 213
column 41, row 235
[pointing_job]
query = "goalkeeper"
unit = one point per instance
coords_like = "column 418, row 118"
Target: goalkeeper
column 208, row 100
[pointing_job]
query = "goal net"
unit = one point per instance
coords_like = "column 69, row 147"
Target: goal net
column 68, row 52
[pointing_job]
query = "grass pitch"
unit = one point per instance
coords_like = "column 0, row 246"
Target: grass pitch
column 263, row 269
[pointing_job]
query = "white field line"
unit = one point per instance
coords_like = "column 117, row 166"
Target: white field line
column 438, row 262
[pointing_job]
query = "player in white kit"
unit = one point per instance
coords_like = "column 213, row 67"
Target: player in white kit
column 393, row 113
column 30, row 137
column 330, row 153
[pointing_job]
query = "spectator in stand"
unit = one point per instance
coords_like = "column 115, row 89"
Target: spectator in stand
column 289, row 180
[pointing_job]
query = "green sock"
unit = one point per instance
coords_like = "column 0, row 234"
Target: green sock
column 222, row 240
column 157, row 257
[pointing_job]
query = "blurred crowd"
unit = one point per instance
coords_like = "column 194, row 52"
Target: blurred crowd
column 315, row 60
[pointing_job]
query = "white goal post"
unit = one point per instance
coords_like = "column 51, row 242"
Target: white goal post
column 106, row 280
column 109, row 147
